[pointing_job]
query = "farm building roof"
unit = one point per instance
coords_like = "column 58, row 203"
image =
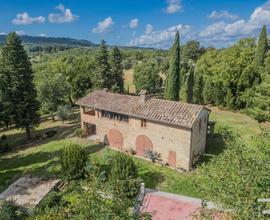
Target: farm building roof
column 143, row 106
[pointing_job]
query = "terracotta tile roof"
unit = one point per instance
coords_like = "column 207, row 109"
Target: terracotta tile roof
column 171, row 112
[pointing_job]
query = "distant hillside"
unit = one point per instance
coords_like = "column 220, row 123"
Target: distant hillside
column 52, row 41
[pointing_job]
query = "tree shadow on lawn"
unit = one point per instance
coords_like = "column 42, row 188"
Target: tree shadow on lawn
column 215, row 145
column 17, row 140
column 33, row 163
column 17, row 161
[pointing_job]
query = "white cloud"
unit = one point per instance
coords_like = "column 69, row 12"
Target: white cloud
column 221, row 31
column 134, row 23
column 25, row 19
column 42, row 35
column 213, row 29
column 148, row 29
column 20, row 32
column 64, row 15
column 173, row 6
column 103, row 26
column 161, row 38
column 222, row 14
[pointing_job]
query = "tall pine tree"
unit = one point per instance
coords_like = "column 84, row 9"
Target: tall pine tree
column 261, row 48
column 116, row 70
column 23, row 94
column 6, row 105
column 172, row 87
column 103, row 78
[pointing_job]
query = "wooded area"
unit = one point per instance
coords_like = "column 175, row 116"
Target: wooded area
column 236, row 78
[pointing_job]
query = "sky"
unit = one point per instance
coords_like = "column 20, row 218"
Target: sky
column 144, row 23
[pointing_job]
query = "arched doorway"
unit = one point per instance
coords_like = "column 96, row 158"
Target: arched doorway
column 115, row 139
column 143, row 143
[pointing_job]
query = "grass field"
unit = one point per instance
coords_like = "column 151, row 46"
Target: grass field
column 242, row 124
column 129, row 85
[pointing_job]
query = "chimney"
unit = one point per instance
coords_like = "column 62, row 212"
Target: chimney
column 144, row 96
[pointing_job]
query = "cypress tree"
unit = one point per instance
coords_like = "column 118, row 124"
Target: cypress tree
column 18, row 68
column 103, row 77
column 117, row 70
column 261, row 48
column 173, row 78
column 229, row 99
column 198, row 89
column 190, row 84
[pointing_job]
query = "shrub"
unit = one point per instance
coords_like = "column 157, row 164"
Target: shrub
column 8, row 210
column 53, row 199
column 260, row 116
column 65, row 112
column 73, row 162
column 131, row 151
column 124, row 177
column 79, row 132
column 153, row 156
column 3, row 137
column 50, row 133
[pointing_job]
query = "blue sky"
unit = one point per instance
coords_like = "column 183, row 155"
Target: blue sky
column 137, row 22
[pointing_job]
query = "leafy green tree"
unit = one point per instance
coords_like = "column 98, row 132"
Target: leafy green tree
column 103, row 78
column 146, row 76
column 24, row 96
column 238, row 184
column 208, row 92
column 65, row 112
column 191, row 51
column 52, row 92
column 172, row 87
column 261, row 48
column 80, row 77
column 117, row 70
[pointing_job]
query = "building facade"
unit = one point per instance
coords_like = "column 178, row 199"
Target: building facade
column 175, row 130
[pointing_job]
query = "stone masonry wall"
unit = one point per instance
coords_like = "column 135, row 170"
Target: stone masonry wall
column 164, row 138
column 199, row 131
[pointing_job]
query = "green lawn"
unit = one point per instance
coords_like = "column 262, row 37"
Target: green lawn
column 241, row 123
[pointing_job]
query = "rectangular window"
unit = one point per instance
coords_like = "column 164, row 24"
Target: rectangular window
column 114, row 116
column 143, row 123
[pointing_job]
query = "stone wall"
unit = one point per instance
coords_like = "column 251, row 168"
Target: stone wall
column 199, row 134
column 166, row 139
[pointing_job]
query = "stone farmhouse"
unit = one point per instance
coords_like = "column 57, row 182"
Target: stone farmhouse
column 176, row 130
